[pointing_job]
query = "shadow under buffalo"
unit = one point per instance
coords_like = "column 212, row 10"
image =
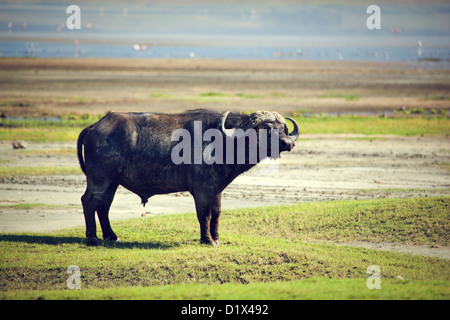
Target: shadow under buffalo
column 56, row 240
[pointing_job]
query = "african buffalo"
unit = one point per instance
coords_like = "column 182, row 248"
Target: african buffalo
column 143, row 153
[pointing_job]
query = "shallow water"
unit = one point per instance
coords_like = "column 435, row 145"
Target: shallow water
column 249, row 30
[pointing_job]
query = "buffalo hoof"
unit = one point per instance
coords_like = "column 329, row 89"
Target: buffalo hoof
column 209, row 243
column 111, row 238
column 92, row 241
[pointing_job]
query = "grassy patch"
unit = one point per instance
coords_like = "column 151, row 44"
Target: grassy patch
column 223, row 95
column 404, row 126
column 341, row 95
column 6, row 172
column 70, row 120
column 161, row 95
column 28, row 206
column 264, row 250
column 414, row 221
column 277, row 94
column 68, row 130
column 207, row 96
column 212, row 94
column 40, row 134
column 387, row 191
column 437, row 97
column 308, row 289
column 247, row 96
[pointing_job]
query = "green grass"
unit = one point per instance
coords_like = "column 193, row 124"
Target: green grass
column 437, row 97
column 247, row 96
column 66, row 121
column 414, row 221
column 68, row 130
column 7, row 172
column 341, row 95
column 56, row 134
column 226, row 95
column 265, row 253
column 161, row 95
column 402, row 126
column 212, row 94
column 308, row 289
column 28, row 206
column 277, row 94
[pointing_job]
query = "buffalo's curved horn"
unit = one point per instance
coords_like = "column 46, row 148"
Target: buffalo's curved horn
column 296, row 131
column 222, row 120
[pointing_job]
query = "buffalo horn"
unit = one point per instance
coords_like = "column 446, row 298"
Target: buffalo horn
column 296, row 131
column 223, row 119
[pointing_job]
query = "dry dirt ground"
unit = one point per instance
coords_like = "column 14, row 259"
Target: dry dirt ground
column 55, row 86
column 321, row 167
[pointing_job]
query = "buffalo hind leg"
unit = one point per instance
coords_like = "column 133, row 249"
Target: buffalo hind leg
column 103, row 211
column 89, row 207
column 215, row 215
column 97, row 198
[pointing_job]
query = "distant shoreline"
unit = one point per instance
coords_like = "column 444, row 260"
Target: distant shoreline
column 358, row 48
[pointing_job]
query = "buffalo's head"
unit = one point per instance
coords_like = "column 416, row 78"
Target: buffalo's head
column 268, row 124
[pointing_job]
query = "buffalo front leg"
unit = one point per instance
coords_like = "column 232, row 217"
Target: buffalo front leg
column 203, row 206
column 215, row 215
